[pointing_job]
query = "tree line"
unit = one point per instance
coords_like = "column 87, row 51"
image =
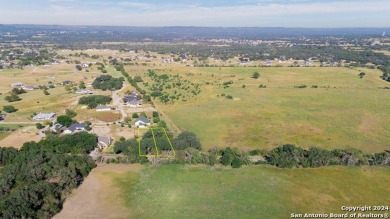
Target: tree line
column 36, row 179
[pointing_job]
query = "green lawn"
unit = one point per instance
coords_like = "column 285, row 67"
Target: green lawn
column 345, row 111
column 174, row 191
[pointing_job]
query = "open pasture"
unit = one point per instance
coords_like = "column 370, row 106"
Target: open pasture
column 344, row 110
column 175, row 191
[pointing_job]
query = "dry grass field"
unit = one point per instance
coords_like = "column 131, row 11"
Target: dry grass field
column 344, row 111
column 18, row 137
column 98, row 196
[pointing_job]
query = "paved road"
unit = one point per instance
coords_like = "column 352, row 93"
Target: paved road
column 117, row 101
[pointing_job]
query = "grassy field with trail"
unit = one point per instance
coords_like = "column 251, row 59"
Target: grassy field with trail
column 336, row 109
column 175, row 191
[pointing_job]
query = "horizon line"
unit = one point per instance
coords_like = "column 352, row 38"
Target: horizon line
column 185, row 26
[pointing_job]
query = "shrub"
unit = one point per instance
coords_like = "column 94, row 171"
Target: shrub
column 256, row 75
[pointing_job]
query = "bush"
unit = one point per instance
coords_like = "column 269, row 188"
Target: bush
column 70, row 113
column 256, row 75
column 229, row 97
column 135, row 115
column 39, row 126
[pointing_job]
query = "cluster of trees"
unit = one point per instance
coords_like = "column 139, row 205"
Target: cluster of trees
column 130, row 148
column 37, row 178
column 94, row 100
column 107, row 82
column 181, row 89
column 12, row 98
column 288, row 156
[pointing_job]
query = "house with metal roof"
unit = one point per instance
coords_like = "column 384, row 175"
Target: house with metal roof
column 142, row 122
column 44, row 116
column 75, row 127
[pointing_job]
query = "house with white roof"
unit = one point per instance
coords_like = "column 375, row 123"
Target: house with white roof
column 142, row 122
column 44, row 116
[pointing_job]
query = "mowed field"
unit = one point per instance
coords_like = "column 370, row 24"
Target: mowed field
column 175, row 191
column 343, row 112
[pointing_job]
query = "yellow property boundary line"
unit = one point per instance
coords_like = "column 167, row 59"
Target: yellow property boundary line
column 155, row 144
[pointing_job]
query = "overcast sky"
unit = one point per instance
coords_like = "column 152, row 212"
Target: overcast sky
column 226, row 13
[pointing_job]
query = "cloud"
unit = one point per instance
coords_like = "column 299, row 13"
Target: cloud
column 135, row 5
column 56, row 1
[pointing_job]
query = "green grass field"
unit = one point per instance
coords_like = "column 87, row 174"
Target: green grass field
column 175, row 191
column 345, row 111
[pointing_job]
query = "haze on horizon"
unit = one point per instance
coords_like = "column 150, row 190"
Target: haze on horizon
column 244, row 13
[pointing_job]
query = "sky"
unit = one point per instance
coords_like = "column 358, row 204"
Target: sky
column 210, row 13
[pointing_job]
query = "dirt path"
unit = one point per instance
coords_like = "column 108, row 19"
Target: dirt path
column 97, row 197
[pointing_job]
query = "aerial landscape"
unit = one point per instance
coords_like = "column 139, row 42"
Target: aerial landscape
column 194, row 109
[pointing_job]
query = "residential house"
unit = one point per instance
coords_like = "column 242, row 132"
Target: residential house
column 83, row 91
column 142, row 122
column 133, row 100
column 17, row 84
column 56, row 128
column 28, row 87
column 67, row 82
column 44, row 116
column 104, row 142
column 85, row 65
column 75, row 127
column 101, row 108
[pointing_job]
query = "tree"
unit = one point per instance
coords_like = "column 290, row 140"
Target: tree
column 70, row 113
column 135, row 115
column 362, row 74
column 9, row 109
column 155, row 114
column 256, row 75
column 39, row 126
column 65, row 120
column 187, row 140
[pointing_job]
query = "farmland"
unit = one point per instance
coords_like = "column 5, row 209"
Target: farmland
column 256, row 192
column 343, row 111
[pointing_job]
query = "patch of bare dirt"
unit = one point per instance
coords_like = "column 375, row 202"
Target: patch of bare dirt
column 98, row 197
column 20, row 136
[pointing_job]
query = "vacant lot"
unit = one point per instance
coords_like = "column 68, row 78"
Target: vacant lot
column 343, row 111
column 251, row 192
column 18, row 137
column 97, row 197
